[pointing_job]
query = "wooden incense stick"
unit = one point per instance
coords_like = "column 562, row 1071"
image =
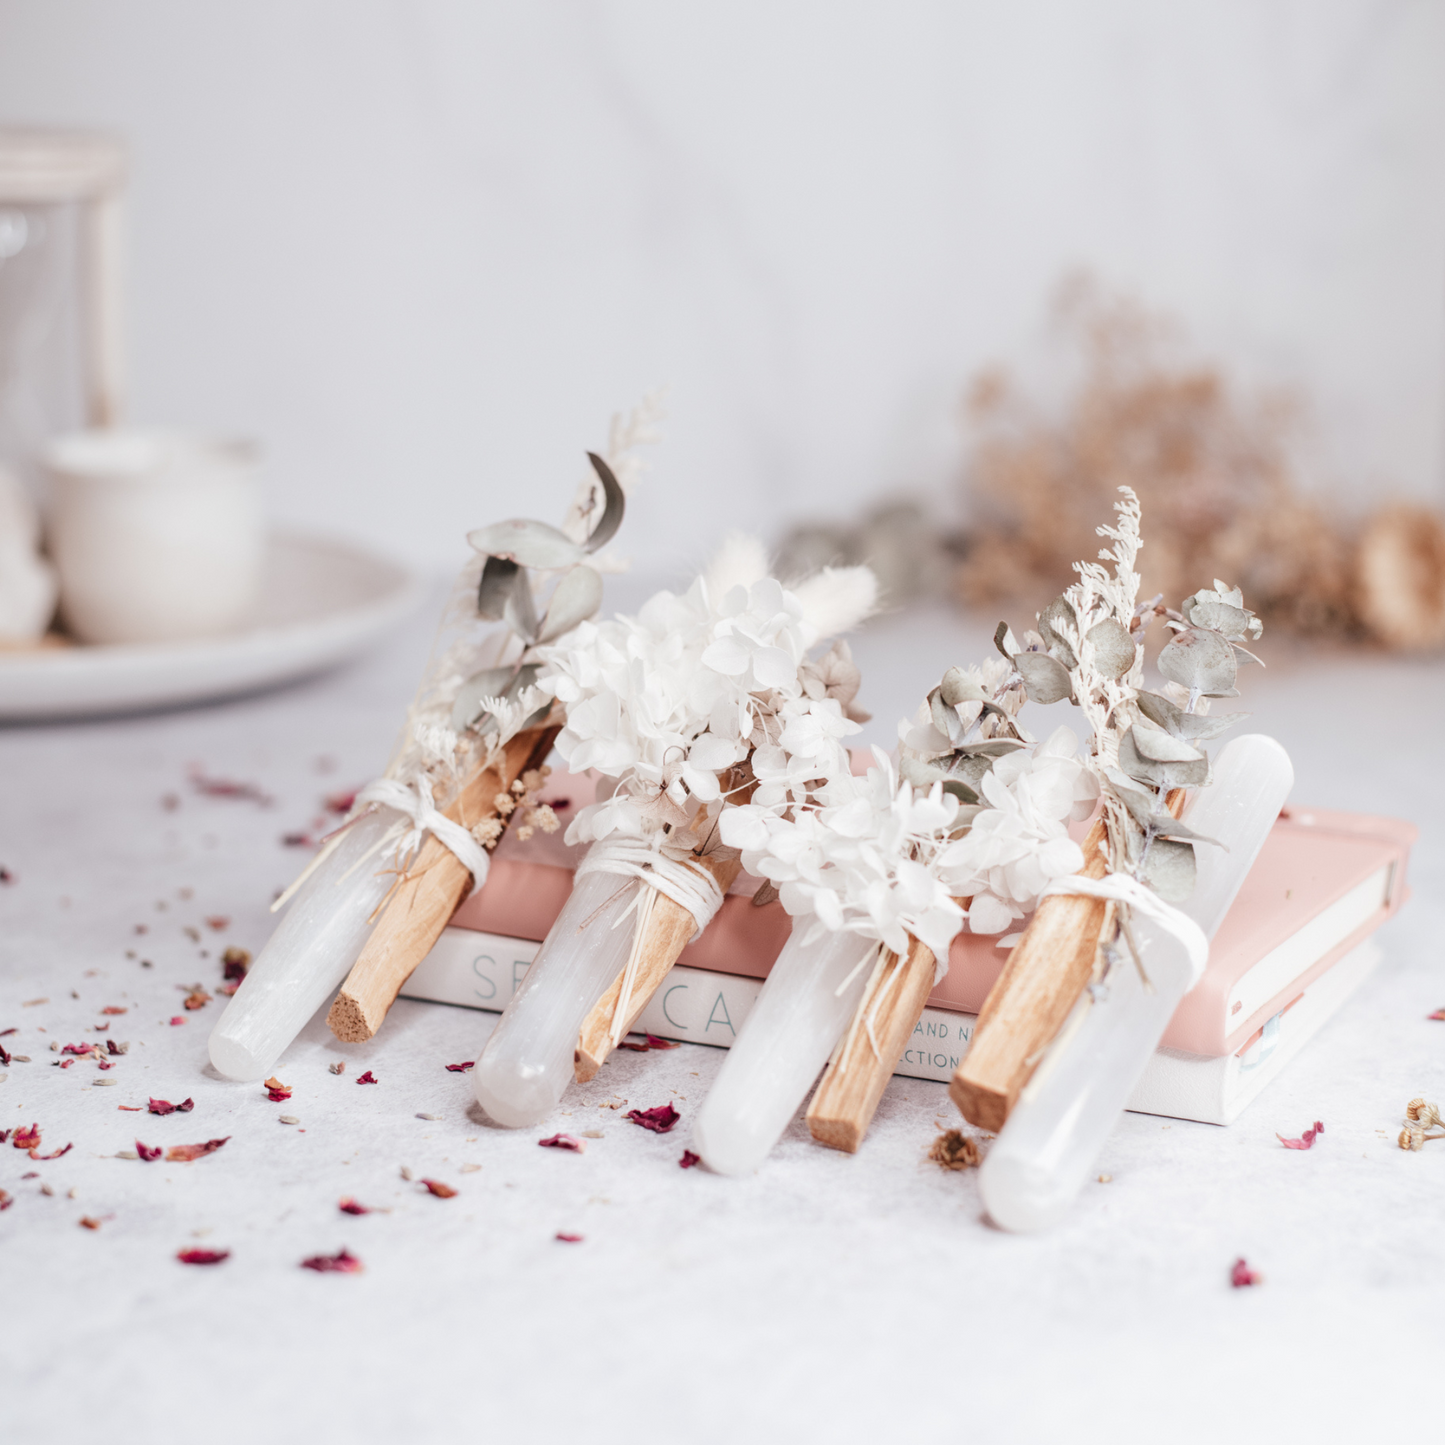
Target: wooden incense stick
column 419, row 906
column 847, row 1098
column 1045, row 974
column 666, row 931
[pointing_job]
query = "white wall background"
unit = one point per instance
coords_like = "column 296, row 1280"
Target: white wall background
column 424, row 248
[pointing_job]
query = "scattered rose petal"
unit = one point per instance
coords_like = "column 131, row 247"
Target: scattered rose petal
column 130, row 1108
column 296, row 840
column 1241, row 1276
column 234, row 963
column 177, row 1020
column 113, row 1010
column 563, row 1141
column 144, row 1151
column 442, row 1191
column 653, row 1042
column 81, row 1049
column 218, row 921
column 276, row 1091
column 340, row 802
column 1439, row 1014
column 688, row 1159
column 226, row 788
column 1306, row 1140
column 349, row 1206
column 184, row 1153
column 339, row 1067
column 59, row 1153
column 5, row 1201
column 636, row 1048
column 114, row 1049
column 569, row 1238
column 460, row 1068
column 27, row 1138
column 367, row 1078
column 658, row 1120
column 164, row 1106
column 202, row 1256
column 197, row 998
column 88, row 1222
column 4, row 1056
column 343, row 1263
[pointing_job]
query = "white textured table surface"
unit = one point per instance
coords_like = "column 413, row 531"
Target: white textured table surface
column 826, row 1297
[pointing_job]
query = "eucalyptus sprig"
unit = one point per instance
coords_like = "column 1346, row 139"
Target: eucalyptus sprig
column 491, row 699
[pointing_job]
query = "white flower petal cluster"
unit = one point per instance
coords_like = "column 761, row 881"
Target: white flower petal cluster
column 666, row 702
column 862, row 859
column 1019, row 842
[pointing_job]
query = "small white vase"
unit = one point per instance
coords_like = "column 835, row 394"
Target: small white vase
column 157, row 536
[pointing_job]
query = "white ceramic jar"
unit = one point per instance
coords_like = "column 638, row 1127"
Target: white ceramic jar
column 157, row 536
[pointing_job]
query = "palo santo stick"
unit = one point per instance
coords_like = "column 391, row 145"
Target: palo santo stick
column 666, row 932
column 847, row 1098
column 1045, row 974
column 422, row 902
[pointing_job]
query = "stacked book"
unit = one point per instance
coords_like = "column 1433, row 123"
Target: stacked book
column 1294, row 947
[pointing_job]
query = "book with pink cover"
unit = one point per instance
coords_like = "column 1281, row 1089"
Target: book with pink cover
column 1322, row 883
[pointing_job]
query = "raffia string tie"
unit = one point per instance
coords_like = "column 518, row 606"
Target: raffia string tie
column 672, row 871
column 413, row 800
column 1120, row 888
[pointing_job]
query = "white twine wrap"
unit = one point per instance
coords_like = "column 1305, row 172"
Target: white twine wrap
column 672, row 871
column 1120, row 888
column 414, row 801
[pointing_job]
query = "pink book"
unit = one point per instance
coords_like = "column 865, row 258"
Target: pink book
column 1323, row 882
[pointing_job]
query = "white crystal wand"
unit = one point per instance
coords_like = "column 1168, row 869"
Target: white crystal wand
column 1040, row 1160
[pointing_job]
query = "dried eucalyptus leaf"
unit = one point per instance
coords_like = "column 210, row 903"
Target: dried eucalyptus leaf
column 525, row 676
column 1181, row 724
column 1160, row 746
column 616, row 504
column 1045, row 677
column 533, row 544
column 499, row 577
column 520, row 611
column 1243, row 654
column 1200, row 660
column 991, row 748
column 920, row 773
column 957, row 686
column 945, row 719
column 1139, row 803
column 1164, row 825
column 1004, row 640
column 1060, row 610
column 1193, row 774
column 963, row 819
column 971, row 768
column 467, row 707
column 1114, row 649
column 960, row 790
column 1169, row 869
column 576, row 598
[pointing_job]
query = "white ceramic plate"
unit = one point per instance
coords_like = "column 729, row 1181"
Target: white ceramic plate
column 323, row 602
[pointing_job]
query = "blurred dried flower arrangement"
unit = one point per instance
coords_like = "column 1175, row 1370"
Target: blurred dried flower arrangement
column 1210, row 463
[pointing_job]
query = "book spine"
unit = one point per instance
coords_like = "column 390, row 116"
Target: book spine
column 693, row 1005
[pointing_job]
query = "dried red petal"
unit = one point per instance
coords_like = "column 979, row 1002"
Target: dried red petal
column 276, row 1091
column 197, row 998
column 103, row 1066
column 202, row 1256
column 89, row 1222
column 461, row 1068
column 295, row 840
column 1242, row 1276
column 658, row 1120
column 563, row 1141
column 1439, row 1014
column 27, row 1138
column 125, row 1109
column 342, row 1263
column 184, row 1153
column 340, row 802
column 177, row 1020
column 113, row 1010
column 164, row 1106
column 113, row 1048
column 442, row 1191
column 688, row 1159
column 81, row 1049
column 1306, row 1140
column 349, row 1206
column 147, row 1153
column 653, row 1042
column 5, row 1201
column 58, row 1154
column 4, row 1057
column 225, row 788
column 218, row 921
column 569, row 1238
column 635, row 1048
column 367, row 1078
column 4, row 1135
column 234, row 963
